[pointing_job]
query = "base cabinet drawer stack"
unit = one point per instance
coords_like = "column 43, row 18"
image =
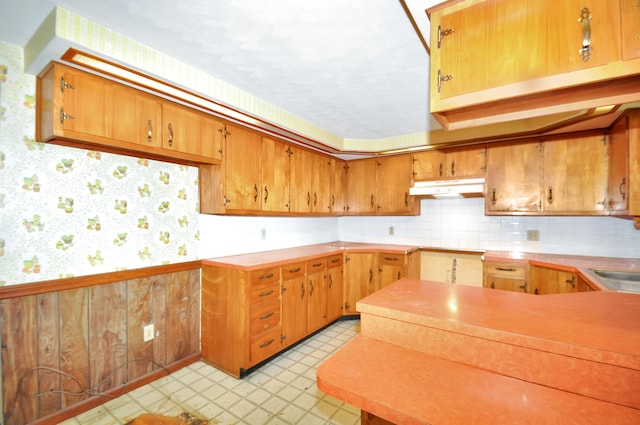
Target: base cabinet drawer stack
column 265, row 325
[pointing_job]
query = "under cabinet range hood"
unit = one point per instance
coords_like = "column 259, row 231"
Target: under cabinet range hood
column 460, row 188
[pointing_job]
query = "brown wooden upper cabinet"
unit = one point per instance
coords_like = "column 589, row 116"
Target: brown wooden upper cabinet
column 512, row 182
column 624, row 167
column 630, row 20
column 77, row 108
column 338, row 186
column 439, row 164
column 190, row 131
column 380, row 186
column 564, row 176
column 575, row 175
column 526, row 54
column 242, row 170
column 362, row 186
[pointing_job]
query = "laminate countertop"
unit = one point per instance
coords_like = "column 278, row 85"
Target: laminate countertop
column 279, row 257
column 436, row 353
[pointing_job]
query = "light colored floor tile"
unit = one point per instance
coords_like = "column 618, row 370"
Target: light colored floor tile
column 281, row 392
column 344, row 417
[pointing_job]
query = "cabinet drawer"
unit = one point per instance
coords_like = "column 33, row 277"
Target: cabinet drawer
column 265, row 316
column 509, row 270
column 291, row 271
column 316, row 265
column 264, row 293
column 335, row 261
column 265, row 276
column 386, row 258
column 265, row 345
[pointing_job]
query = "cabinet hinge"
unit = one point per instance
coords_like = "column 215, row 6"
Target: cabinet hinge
column 65, row 85
column 443, row 78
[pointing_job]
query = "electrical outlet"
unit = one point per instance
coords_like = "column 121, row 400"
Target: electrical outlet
column 392, row 231
column 263, row 233
column 533, row 235
column 148, row 332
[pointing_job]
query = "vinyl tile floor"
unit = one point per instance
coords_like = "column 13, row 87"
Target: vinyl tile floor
column 283, row 391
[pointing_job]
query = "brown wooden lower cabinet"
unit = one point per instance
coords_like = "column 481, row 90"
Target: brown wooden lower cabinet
column 532, row 279
column 506, row 275
column 248, row 316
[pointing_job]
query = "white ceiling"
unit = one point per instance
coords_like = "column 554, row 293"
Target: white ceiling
column 355, row 68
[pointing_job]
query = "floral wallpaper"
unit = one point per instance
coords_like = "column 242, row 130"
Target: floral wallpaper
column 69, row 212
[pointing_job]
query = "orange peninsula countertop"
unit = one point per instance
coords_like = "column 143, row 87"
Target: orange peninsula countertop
column 437, row 353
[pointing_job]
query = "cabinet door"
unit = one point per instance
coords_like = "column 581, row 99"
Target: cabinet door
column 275, row 176
column 136, row 117
column 391, row 267
column 618, row 170
column 567, row 24
column 575, row 175
column 294, row 303
column 465, row 163
column 338, row 186
column 394, row 180
column 87, row 103
column 360, row 278
column 630, row 15
column 335, row 287
column 429, row 165
column 545, row 281
column 301, row 180
column 188, row 131
column 242, row 170
column 513, row 178
column 361, row 186
column 317, row 299
column 490, row 35
column 321, row 184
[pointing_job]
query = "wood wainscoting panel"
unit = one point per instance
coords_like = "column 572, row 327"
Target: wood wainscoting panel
column 48, row 346
column 61, row 348
column 74, row 344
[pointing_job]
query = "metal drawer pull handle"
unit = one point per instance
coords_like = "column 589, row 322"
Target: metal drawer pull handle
column 266, row 276
column 150, row 132
column 296, row 270
column 266, row 316
column 266, row 293
column 585, row 20
column 506, row 269
column 316, row 264
column 335, row 260
column 301, row 290
column 266, row 344
column 391, row 258
column 170, row 127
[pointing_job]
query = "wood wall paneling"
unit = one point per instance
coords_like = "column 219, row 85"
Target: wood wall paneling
column 61, row 348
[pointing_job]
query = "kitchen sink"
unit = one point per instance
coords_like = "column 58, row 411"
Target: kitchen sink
column 616, row 280
column 618, row 275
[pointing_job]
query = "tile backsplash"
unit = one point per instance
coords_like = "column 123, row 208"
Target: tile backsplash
column 461, row 224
